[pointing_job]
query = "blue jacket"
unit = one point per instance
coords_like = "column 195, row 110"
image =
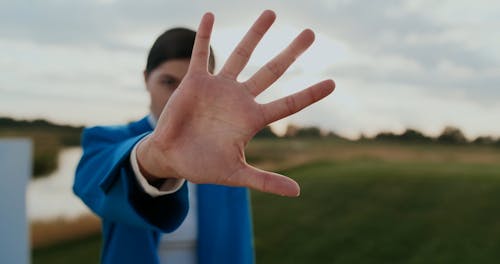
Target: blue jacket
column 133, row 221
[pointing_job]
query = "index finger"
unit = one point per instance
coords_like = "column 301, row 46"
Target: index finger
column 201, row 47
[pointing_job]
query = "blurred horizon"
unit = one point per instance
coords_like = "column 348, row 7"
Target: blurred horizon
column 290, row 130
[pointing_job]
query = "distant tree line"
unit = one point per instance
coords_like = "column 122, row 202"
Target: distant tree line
column 11, row 122
column 67, row 135
column 47, row 137
column 294, row 131
column 450, row 135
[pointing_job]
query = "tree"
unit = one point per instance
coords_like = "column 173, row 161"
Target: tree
column 452, row 135
column 484, row 140
column 303, row 132
column 309, row 132
column 331, row 134
column 414, row 135
column 266, row 132
column 410, row 135
column 386, row 136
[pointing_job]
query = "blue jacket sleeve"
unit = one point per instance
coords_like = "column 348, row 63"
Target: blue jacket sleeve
column 105, row 182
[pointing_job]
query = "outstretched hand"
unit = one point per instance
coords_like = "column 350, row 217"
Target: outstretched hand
column 207, row 122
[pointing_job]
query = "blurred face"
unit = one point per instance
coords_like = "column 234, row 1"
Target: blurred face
column 163, row 81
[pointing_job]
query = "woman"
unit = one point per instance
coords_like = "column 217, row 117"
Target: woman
column 134, row 176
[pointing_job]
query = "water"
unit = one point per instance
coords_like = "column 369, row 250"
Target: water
column 52, row 197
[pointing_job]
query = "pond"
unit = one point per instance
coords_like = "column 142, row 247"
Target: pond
column 52, row 196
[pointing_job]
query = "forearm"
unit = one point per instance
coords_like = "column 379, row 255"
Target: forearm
column 105, row 181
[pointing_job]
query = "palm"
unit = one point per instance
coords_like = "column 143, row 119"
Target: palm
column 219, row 121
column 207, row 122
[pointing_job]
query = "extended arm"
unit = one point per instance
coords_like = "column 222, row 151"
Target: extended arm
column 105, row 181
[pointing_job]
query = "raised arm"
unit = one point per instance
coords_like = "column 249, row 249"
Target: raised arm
column 204, row 128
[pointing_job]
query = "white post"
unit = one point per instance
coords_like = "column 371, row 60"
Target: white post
column 15, row 172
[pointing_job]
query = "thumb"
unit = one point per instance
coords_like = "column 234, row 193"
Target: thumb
column 268, row 182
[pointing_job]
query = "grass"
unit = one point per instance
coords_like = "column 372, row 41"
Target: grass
column 45, row 233
column 382, row 212
column 366, row 203
column 81, row 251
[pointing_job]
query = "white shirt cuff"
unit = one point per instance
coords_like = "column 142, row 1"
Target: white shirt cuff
column 169, row 186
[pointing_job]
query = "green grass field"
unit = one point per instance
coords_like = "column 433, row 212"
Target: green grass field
column 82, row 251
column 366, row 203
column 379, row 212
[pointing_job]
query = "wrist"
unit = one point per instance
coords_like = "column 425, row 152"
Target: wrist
column 152, row 164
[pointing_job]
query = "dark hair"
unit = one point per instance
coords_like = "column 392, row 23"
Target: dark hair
column 175, row 43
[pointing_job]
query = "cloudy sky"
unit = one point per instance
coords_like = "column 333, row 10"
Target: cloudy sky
column 416, row 63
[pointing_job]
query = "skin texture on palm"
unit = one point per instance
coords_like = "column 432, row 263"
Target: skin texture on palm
column 205, row 125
